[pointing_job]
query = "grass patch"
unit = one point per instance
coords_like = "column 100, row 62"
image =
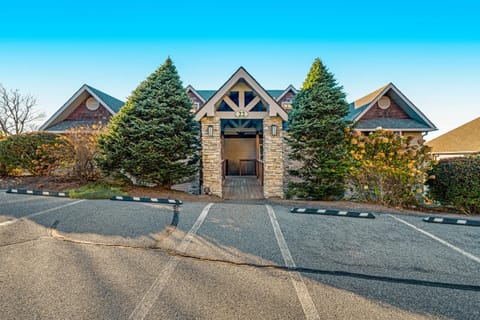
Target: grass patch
column 96, row 190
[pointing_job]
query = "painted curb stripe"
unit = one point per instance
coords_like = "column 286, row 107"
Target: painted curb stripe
column 327, row 212
column 154, row 200
column 38, row 192
column 463, row 222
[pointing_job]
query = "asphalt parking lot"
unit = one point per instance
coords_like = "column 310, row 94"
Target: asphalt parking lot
column 77, row 259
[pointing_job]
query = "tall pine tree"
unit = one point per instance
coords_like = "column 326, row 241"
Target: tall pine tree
column 316, row 137
column 154, row 136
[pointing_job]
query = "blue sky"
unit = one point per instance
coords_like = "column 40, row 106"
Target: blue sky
column 430, row 50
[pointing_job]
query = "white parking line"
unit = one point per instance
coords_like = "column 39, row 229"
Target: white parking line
column 146, row 304
column 39, row 213
column 451, row 246
column 306, row 301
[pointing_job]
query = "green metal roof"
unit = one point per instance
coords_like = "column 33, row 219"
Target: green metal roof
column 111, row 102
column 275, row 93
column 392, row 124
column 206, row 94
column 354, row 112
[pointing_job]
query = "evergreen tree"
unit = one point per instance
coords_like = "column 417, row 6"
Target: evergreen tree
column 316, row 136
column 154, row 136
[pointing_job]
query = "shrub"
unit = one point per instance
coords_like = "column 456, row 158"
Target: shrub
column 81, row 150
column 456, row 182
column 316, row 137
column 39, row 153
column 386, row 168
column 154, row 137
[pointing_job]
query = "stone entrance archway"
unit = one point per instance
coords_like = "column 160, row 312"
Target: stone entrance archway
column 241, row 109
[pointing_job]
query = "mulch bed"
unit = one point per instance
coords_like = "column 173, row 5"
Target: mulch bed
column 61, row 184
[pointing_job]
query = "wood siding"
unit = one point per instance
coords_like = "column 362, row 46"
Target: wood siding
column 82, row 113
column 288, row 97
column 392, row 112
column 195, row 99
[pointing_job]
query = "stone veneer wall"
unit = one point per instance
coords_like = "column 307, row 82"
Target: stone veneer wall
column 211, row 156
column 273, row 158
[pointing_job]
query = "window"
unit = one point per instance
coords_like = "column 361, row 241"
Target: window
column 287, row 105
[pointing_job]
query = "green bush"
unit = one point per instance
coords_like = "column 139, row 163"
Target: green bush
column 456, row 182
column 387, row 168
column 39, row 153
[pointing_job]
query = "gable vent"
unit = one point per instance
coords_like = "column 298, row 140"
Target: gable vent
column 384, row 102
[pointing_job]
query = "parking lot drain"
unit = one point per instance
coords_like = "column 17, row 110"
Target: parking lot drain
column 150, row 200
column 327, row 212
column 464, row 222
column 38, row 192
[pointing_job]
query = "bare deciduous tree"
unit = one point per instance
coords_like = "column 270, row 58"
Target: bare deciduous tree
column 17, row 112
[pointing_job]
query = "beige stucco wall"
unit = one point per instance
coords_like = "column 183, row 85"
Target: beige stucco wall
column 211, row 156
column 273, row 158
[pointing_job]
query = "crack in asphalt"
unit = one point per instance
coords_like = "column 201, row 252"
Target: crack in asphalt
column 24, row 241
column 55, row 235
column 52, row 234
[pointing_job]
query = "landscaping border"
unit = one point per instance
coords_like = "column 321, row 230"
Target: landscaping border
column 327, row 212
column 39, row 193
column 442, row 220
column 150, row 200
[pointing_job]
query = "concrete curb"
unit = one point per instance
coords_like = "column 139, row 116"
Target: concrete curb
column 327, row 212
column 463, row 222
column 38, row 193
column 150, row 200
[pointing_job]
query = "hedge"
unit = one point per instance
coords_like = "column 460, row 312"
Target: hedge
column 39, row 153
column 456, row 181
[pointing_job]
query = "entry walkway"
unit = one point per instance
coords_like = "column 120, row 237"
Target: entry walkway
column 242, row 188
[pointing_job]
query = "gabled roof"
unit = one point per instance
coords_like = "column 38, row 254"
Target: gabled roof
column 241, row 74
column 196, row 93
column 463, row 139
column 284, row 92
column 360, row 107
column 112, row 104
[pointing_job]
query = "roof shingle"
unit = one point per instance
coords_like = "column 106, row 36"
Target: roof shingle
column 111, row 102
column 465, row 138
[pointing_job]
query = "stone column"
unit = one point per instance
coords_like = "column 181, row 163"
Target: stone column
column 273, row 158
column 211, row 156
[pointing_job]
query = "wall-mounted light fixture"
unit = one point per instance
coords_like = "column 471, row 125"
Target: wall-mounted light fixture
column 274, row 130
column 210, row 130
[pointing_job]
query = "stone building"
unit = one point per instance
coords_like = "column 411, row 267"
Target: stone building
column 243, row 129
